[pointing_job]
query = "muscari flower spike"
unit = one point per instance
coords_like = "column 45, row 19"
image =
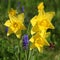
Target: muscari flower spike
column 6, row 29
column 25, row 41
column 18, row 4
column 22, row 8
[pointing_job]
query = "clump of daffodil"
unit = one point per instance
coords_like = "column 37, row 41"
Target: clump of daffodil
column 40, row 24
column 15, row 23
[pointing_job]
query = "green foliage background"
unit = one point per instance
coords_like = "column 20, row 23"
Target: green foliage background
column 9, row 45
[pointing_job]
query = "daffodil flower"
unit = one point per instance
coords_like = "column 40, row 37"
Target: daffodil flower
column 42, row 21
column 15, row 24
column 38, row 42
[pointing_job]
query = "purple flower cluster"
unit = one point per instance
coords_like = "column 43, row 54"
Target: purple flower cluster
column 22, row 8
column 6, row 29
column 25, row 41
column 18, row 4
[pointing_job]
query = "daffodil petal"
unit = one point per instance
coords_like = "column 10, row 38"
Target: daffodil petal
column 47, row 34
column 46, row 43
column 23, row 27
column 21, row 17
column 7, row 23
column 32, row 46
column 33, row 20
column 13, row 18
column 18, row 34
column 32, row 32
column 50, row 15
column 40, row 49
column 41, row 9
column 31, row 40
column 51, row 26
column 9, row 32
column 41, row 6
column 34, row 29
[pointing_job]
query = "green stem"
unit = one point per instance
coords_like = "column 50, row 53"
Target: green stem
column 25, row 55
column 29, row 55
column 28, row 29
column 9, row 5
column 18, row 49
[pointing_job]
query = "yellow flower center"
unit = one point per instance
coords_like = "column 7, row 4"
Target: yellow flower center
column 39, row 41
column 44, row 23
column 15, row 25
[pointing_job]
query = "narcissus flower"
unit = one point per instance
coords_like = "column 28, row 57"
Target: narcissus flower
column 15, row 24
column 22, row 8
column 39, row 42
column 42, row 21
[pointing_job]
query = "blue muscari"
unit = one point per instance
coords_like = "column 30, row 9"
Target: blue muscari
column 25, row 41
column 22, row 8
column 6, row 29
column 18, row 4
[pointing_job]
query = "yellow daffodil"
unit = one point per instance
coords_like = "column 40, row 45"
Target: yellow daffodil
column 41, row 25
column 15, row 24
column 42, row 21
column 38, row 41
